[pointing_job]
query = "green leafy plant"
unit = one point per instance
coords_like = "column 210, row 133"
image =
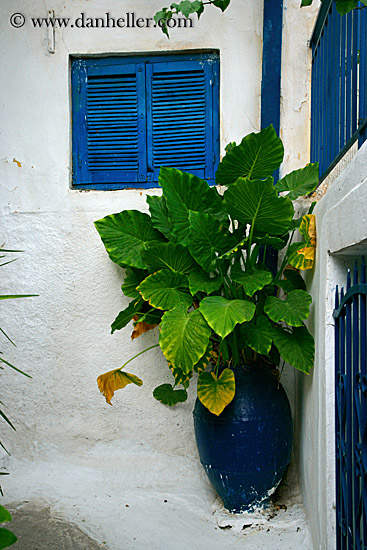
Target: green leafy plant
column 2, row 360
column 342, row 6
column 7, row 538
column 196, row 268
column 186, row 8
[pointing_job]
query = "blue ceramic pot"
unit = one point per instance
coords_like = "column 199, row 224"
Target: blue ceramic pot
column 246, row 449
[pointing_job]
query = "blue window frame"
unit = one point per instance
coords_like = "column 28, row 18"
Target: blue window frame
column 131, row 115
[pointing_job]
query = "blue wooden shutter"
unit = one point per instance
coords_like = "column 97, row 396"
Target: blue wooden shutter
column 109, row 138
column 182, row 127
column 132, row 115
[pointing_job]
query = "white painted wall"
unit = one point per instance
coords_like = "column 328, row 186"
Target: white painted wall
column 341, row 236
column 341, row 217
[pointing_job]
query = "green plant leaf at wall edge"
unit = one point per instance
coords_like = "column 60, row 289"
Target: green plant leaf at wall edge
column 299, row 182
column 296, row 347
column 7, row 538
column 125, row 236
column 5, row 515
column 293, row 310
column 256, row 157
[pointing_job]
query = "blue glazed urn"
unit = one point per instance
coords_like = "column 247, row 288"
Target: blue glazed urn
column 246, row 449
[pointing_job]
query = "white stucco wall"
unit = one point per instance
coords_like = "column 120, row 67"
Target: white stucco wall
column 341, row 236
column 341, row 217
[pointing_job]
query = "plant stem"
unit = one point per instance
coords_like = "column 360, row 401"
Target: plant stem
column 137, row 355
column 248, row 263
column 236, row 353
column 279, row 274
column 219, row 352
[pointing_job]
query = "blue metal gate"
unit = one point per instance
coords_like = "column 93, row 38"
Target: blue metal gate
column 351, row 412
column 339, row 84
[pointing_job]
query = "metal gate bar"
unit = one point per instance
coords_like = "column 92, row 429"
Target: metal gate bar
column 351, row 412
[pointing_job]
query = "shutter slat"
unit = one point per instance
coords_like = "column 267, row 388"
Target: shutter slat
column 178, row 116
column 112, row 114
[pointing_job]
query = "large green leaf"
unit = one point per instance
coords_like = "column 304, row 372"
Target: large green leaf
column 169, row 396
column 132, row 279
column 216, row 393
column 299, row 182
column 292, row 281
column 221, row 4
column 165, row 289
column 207, row 238
column 258, row 335
column 345, row 6
column 125, row 316
column 4, row 514
column 159, row 215
column 269, row 240
column 200, row 281
column 257, row 203
column 184, row 192
column 7, row 538
column 169, row 256
column 125, row 235
column 257, row 156
column 223, row 315
column 251, row 280
column 184, row 337
column 297, row 347
column 293, row 310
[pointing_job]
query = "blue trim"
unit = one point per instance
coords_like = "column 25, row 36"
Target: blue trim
column 271, row 63
column 270, row 83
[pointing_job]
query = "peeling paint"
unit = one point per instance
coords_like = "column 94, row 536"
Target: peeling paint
column 17, row 162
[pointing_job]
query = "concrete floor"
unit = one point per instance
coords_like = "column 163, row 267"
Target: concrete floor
column 37, row 530
column 66, row 505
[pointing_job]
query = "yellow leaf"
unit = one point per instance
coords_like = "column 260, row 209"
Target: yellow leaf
column 140, row 328
column 304, row 257
column 308, row 252
column 216, row 393
column 308, row 228
column 114, row 380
